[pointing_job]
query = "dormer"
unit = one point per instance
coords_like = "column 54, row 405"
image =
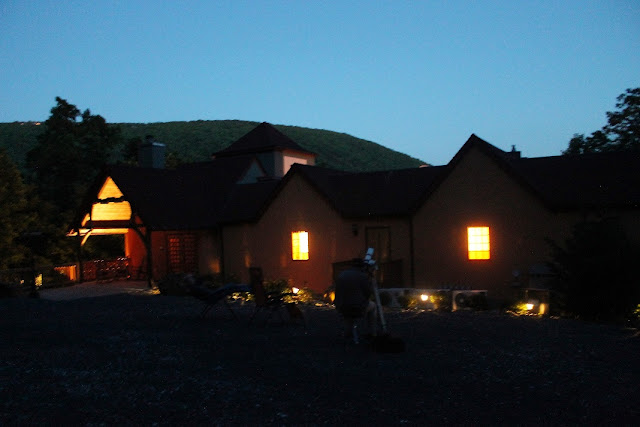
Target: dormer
column 275, row 151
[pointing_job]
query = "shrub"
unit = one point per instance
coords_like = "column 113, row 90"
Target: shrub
column 279, row 285
column 407, row 301
column 442, row 300
column 596, row 268
column 304, row 296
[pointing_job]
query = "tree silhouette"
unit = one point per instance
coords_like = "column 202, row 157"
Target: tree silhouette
column 596, row 266
column 15, row 213
column 69, row 154
column 621, row 133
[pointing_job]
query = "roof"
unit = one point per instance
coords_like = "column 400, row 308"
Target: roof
column 385, row 193
column 207, row 194
column 193, row 196
column 569, row 182
column 263, row 137
column 610, row 180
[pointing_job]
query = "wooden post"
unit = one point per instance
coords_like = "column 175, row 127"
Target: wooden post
column 148, row 244
column 146, row 239
column 80, row 278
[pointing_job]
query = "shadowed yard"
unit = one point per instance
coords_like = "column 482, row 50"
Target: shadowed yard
column 132, row 359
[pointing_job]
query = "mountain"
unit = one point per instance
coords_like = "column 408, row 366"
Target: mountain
column 197, row 140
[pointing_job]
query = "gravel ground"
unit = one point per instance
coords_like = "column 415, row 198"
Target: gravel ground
column 151, row 360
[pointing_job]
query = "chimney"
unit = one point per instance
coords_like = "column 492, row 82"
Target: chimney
column 514, row 154
column 151, row 154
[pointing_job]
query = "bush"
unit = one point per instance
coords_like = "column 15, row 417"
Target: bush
column 407, row 301
column 597, row 271
column 442, row 300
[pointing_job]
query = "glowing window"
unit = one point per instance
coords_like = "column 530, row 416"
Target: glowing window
column 300, row 245
column 478, row 240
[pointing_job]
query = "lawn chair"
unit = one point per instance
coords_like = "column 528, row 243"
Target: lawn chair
column 272, row 302
column 211, row 297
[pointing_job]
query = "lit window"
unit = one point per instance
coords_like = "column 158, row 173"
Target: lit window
column 300, row 245
column 478, row 239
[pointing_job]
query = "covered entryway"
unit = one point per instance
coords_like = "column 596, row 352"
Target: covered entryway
column 111, row 214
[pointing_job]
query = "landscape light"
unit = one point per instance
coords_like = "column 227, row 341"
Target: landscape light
column 424, row 297
column 295, row 290
column 529, row 306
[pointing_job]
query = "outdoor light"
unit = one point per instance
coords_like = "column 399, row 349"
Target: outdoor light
column 424, row 297
column 529, row 306
column 295, row 290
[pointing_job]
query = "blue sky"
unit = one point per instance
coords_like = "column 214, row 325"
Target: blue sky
column 415, row 76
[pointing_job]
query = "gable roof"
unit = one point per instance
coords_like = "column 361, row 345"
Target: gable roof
column 207, row 194
column 369, row 194
column 194, row 196
column 605, row 180
column 263, row 137
column 569, row 181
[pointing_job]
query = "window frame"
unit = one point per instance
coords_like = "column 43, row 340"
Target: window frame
column 479, row 243
column 297, row 246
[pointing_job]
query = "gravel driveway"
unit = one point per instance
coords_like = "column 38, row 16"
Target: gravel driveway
column 150, row 360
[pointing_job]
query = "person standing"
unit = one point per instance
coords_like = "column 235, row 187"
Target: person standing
column 353, row 298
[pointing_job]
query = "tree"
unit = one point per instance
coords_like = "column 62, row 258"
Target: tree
column 69, row 154
column 621, row 133
column 596, row 267
column 15, row 213
column 65, row 160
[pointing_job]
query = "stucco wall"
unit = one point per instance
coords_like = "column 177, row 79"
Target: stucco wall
column 298, row 207
column 479, row 193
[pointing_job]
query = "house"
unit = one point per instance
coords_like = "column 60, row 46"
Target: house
column 172, row 219
column 483, row 221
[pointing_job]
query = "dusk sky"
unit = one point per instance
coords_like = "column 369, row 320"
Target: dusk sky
column 415, row 76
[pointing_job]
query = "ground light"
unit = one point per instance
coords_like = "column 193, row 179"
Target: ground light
column 424, row 297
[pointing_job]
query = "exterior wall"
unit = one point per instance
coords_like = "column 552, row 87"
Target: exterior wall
column 478, row 193
column 287, row 159
column 134, row 249
column 299, row 207
column 207, row 252
column 209, row 261
column 159, row 253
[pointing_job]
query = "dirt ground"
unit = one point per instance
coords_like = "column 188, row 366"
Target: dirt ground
column 151, row 360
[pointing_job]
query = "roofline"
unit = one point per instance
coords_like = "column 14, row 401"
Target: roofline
column 91, row 196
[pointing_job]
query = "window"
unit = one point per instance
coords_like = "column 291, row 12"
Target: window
column 182, row 253
column 478, row 243
column 300, row 246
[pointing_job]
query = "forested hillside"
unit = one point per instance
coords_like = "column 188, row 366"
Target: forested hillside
column 197, row 140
